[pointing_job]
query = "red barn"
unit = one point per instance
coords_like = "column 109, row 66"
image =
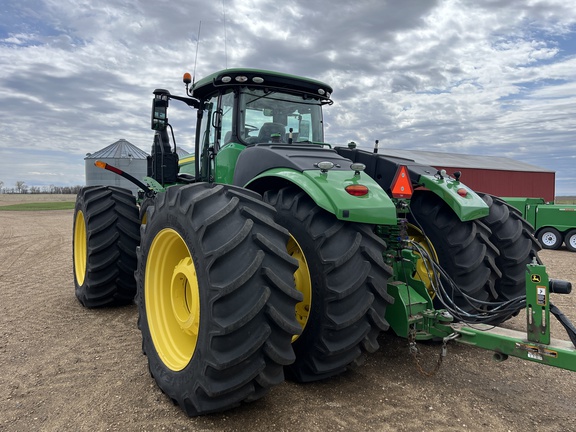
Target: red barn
column 491, row 174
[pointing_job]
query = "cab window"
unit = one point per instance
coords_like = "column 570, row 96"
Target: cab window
column 268, row 116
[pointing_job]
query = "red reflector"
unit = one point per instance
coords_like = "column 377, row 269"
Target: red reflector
column 401, row 185
column 357, row 190
column 462, row 192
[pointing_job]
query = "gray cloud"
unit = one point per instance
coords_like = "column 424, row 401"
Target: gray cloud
column 494, row 77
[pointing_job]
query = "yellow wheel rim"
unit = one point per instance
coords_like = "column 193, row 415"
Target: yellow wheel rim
column 172, row 298
column 303, row 284
column 80, row 248
column 423, row 266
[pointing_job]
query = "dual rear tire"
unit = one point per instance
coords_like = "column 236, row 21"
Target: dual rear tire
column 216, row 296
column 219, row 281
column 485, row 258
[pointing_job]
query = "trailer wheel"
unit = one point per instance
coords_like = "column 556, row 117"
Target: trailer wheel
column 550, row 238
column 343, row 279
column 513, row 237
column 570, row 240
column 106, row 233
column 463, row 248
column 216, row 296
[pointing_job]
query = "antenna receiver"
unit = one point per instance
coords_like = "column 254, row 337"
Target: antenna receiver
column 192, row 79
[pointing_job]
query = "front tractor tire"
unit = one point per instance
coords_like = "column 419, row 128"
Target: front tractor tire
column 343, row 279
column 106, row 233
column 216, row 296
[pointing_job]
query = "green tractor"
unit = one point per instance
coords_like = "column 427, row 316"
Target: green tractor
column 271, row 254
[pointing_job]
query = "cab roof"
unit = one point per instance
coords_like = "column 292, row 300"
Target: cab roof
column 260, row 78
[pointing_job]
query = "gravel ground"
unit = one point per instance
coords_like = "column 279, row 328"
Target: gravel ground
column 68, row 368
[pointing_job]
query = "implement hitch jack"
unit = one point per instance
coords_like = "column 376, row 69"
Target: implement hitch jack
column 535, row 344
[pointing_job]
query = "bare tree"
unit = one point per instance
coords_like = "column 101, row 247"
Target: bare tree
column 1, row 185
column 21, row 187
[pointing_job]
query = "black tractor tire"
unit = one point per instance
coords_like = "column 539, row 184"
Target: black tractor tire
column 550, row 238
column 216, row 296
column 464, row 252
column 347, row 284
column 570, row 240
column 147, row 202
column 106, row 233
column 514, row 238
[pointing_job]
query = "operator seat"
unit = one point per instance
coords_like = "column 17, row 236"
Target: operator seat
column 268, row 129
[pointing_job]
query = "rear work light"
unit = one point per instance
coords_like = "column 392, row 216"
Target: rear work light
column 401, row 185
column 357, row 190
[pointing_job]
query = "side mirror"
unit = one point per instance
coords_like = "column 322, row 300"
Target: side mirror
column 159, row 109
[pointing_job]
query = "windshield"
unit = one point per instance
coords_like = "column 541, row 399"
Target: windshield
column 268, row 116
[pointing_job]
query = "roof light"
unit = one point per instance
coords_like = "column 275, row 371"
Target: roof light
column 187, row 78
column 258, row 80
column 401, row 185
column 357, row 190
column 321, row 92
column 328, row 94
column 325, row 166
column 226, row 79
column 357, row 167
column 241, row 78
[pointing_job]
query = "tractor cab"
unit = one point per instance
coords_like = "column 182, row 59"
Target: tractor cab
column 245, row 107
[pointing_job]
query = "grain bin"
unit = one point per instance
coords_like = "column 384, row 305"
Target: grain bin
column 121, row 154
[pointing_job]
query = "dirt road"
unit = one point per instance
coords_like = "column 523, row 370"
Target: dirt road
column 67, row 368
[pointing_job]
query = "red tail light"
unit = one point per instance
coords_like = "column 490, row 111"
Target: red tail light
column 357, row 190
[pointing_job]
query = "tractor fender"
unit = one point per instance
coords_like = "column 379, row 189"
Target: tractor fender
column 328, row 192
column 266, row 166
column 468, row 206
column 258, row 158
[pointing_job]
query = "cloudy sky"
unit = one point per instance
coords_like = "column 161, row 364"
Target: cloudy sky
column 493, row 77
